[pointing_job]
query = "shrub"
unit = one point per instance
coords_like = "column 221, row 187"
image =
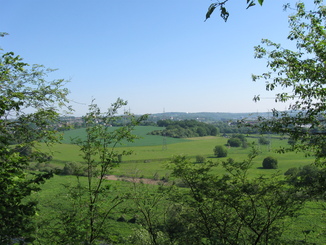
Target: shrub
column 263, row 141
column 307, row 175
column 238, row 140
column 291, row 172
column 220, row 151
column 309, row 179
column 234, row 142
column 245, row 144
column 270, row 163
column 48, row 168
column 73, row 168
column 200, row 159
column 39, row 165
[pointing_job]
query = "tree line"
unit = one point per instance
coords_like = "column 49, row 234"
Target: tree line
column 184, row 129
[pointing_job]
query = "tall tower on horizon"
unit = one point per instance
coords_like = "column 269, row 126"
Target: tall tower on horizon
column 164, row 145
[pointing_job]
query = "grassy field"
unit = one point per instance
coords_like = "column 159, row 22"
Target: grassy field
column 150, row 158
column 140, row 131
column 150, row 155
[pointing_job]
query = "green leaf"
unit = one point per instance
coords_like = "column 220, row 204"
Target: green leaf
column 250, row 4
column 224, row 13
column 2, row 34
column 261, row 2
column 210, row 10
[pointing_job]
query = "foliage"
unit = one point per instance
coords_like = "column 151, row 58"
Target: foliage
column 234, row 142
column 91, row 204
column 238, row 140
column 263, row 141
column 74, row 168
column 223, row 11
column 302, row 72
column 200, row 159
column 231, row 208
column 26, row 151
column 309, row 178
column 291, row 142
column 185, row 129
column 225, row 127
column 270, row 163
column 29, row 106
column 150, row 204
column 220, row 151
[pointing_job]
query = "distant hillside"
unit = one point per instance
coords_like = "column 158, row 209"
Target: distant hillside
column 205, row 116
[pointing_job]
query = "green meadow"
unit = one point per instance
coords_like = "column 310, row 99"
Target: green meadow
column 150, row 157
column 151, row 153
column 140, row 131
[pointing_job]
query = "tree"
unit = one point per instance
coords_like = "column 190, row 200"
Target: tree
column 230, row 208
column 29, row 110
column 201, row 131
column 309, row 179
column 234, row 142
column 92, row 202
column 220, row 151
column 184, row 129
column 302, row 72
column 214, row 131
column 238, row 140
column 99, row 151
column 73, row 168
column 270, row 163
column 200, row 159
column 150, row 204
column 263, row 141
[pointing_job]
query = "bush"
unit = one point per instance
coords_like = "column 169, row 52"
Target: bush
column 220, row 151
column 200, row 159
column 73, row 168
column 245, row 144
column 234, row 142
column 308, row 178
column 291, row 172
column 307, row 175
column 263, row 141
column 238, row 140
column 270, row 163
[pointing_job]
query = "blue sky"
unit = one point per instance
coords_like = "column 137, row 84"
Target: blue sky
column 157, row 55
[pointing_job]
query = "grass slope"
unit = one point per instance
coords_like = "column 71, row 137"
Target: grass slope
column 140, row 131
column 150, row 157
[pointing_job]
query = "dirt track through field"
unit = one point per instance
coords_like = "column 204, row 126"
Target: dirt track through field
column 134, row 180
